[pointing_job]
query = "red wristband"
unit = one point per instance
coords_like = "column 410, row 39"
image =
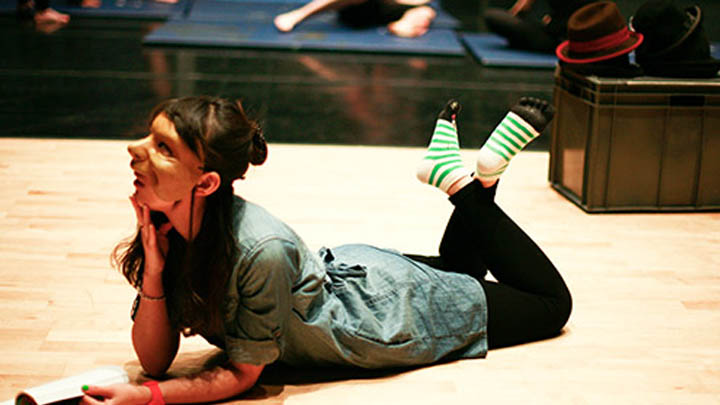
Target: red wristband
column 157, row 398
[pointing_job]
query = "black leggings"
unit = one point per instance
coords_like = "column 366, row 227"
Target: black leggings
column 530, row 301
column 370, row 13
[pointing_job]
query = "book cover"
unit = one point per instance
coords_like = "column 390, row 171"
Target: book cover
column 68, row 390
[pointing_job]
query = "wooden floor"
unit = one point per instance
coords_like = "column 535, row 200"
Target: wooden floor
column 645, row 326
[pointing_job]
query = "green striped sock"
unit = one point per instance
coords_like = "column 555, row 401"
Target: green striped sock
column 442, row 165
column 506, row 141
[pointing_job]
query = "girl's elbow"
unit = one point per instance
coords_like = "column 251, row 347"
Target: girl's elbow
column 247, row 375
column 154, row 369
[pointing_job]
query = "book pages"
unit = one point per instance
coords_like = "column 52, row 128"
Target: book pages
column 71, row 387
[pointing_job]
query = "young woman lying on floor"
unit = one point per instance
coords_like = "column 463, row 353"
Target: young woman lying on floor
column 205, row 261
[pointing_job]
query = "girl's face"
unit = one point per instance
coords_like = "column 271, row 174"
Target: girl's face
column 166, row 170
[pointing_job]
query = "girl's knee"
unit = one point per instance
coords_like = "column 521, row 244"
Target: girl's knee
column 563, row 305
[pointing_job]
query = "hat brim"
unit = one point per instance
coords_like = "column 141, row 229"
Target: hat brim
column 634, row 40
column 598, row 69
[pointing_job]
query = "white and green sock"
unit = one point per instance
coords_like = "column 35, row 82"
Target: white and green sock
column 509, row 137
column 442, row 165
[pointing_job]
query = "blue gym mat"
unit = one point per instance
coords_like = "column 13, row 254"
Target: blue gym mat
column 242, row 12
column 236, row 12
column 492, row 50
column 139, row 9
column 246, row 24
column 327, row 37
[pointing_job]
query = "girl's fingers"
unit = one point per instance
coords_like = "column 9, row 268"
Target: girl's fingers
column 94, row 395
column 162, row 238
column 154, row 241
column 136, row 207
column 146, row 215
column 165, row 228
column 97, row 391
column 88, row 400
column 149, row 229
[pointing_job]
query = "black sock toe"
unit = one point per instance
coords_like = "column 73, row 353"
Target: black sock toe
column 451, row 110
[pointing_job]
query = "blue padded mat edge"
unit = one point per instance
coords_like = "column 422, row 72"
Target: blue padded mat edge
column 140, row 9
column 233, row 11
column 492, row 50
column 436, row 41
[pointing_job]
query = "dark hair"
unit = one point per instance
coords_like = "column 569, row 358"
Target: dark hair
column 196, row 272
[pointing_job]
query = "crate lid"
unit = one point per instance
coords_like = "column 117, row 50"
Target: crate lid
column 644, row 84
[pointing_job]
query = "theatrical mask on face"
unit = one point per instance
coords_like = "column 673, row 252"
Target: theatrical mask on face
column 164, row 163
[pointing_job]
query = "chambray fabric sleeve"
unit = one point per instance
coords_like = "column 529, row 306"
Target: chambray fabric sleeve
column 254, row 334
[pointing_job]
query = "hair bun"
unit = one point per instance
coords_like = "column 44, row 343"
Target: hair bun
column 257, row 154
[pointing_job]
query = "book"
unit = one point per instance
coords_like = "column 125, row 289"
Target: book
column 69, row 390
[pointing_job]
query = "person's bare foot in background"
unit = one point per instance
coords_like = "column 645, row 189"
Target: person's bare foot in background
column 91, row 3
column 414, row 23
column 51, row 16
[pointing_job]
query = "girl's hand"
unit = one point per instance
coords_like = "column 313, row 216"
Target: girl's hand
column 117, row 394
column 155, row 241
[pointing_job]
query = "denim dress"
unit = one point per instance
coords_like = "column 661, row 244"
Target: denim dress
column 354, row 305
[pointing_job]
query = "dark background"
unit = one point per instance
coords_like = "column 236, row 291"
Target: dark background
column 94, row 79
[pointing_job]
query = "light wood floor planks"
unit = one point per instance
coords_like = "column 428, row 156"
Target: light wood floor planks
column 646, row 287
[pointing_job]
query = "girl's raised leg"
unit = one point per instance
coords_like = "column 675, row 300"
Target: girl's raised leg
column 530, row 300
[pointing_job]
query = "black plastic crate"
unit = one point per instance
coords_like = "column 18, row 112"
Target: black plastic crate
column 643, row 144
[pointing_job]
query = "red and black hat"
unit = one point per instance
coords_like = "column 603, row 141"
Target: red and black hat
column 597, row 32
